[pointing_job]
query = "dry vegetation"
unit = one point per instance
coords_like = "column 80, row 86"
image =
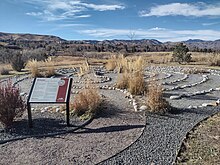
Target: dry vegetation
column 11, row 104
column 86, row 102
column 155, row 100
column 4, row 71
column 203, row 144
column 132, row 77
column 33, row 66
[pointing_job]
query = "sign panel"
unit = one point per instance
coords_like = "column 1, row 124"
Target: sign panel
column 50, row 90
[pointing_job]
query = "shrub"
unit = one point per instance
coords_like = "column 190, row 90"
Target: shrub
column 155, row 100
column 86, row 102
column 34, row 68
column 11, row 104
column 17, row 62
column 136, row 84
column 4, row 71
column 180, row 54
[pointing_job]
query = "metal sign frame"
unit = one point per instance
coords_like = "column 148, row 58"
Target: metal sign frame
column 67, row 102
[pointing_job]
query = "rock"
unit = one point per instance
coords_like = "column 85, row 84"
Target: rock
column 22, row 93
column 174, row 97
column 43, row 110
column 190, row 107
column 57, row 109
column 134, row 103
column 143, row 108
column 206, row 104
column 135, row 108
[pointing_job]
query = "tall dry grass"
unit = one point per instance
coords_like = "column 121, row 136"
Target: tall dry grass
column 136, row 84
column 155, row 100
column 49, row 67
column 86, row 102
column 132, row 77
column 111, row 64
column 83, row 69
column 33, row 66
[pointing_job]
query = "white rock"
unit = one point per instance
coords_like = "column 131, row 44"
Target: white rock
column 217, row 89
column 57, row 109
column 190, row 107
column 174, row 97
column 22, row 94
column 143, row 108
column 134, row 103
column 43, row 110
column 135, row 108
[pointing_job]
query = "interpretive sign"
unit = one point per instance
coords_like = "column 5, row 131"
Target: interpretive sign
column 49, row 90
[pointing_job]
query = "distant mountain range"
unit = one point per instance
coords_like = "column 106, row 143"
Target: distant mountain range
column 193, row 44
column 28, row 37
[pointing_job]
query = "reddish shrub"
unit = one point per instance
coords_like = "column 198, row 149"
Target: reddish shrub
column 11, row 104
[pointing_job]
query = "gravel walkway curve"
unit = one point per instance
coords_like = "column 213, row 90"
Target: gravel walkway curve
column 161, row 138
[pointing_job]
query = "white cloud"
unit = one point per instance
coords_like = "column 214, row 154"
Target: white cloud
column 210, row 23
column 34, row 13
column 52, row 10
column 183, row 9
column 160, row 34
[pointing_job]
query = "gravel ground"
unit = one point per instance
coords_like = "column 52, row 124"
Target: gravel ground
column 162, row 138
column 116, row 127
column 115, row 132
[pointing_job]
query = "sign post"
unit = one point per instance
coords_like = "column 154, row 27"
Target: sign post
column 49, row 91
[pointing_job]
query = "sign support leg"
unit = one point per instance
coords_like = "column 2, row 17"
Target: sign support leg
column 68, row 114
column 30, row 123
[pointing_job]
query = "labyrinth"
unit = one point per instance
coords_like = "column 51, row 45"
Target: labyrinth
column 123, row 133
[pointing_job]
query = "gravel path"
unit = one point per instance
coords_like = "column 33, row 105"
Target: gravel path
column 162, row 138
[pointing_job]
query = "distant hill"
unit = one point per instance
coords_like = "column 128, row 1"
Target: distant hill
column 201, row 44
column 28, row 37
column 142, row 45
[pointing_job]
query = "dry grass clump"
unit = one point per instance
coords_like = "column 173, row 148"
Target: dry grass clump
column 111, row 64
column 123, row 81
column 4, row 71
column 132, row 77
column 33, row 65
column 136, row 84
column 86, row 102
column 49, row 68
column 155, row 100
column 83, row 69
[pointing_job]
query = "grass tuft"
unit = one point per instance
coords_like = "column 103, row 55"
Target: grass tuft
column 155, row 100
column 86, row 102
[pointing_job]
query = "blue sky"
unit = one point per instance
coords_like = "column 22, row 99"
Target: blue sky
column 165, row 20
